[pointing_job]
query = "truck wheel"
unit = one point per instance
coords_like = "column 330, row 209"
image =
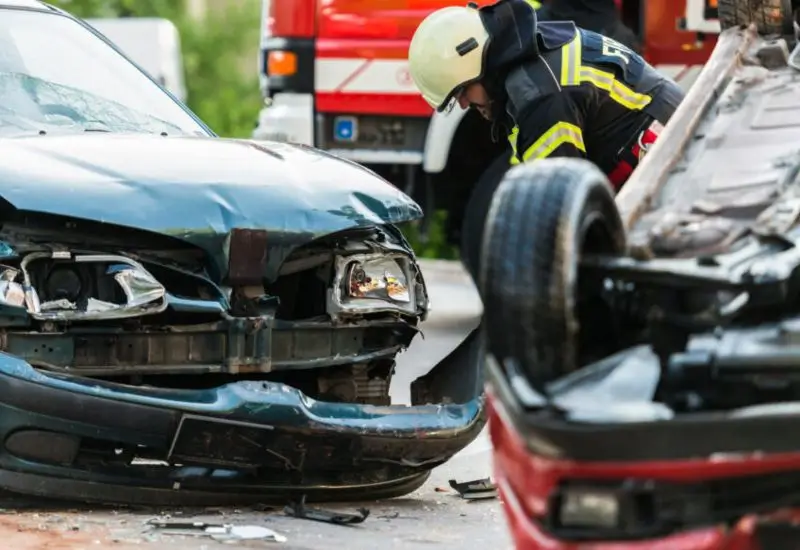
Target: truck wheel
column 770, row 16
column 476, row 210
column 544, row 216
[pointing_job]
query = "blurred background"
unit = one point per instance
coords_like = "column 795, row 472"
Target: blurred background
column 219, row 44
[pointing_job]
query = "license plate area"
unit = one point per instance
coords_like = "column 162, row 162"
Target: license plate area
column 206, row 441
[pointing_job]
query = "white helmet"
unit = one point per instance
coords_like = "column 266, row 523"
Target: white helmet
column 447, row 52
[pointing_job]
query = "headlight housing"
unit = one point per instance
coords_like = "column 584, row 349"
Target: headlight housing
column 367, row 283
column 625, row 509
column 589, row 508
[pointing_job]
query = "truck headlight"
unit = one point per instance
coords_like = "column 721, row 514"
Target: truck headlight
column 367, row 283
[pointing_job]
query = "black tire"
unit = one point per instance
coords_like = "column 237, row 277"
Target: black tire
column 543, row 217
column 772, row 17
column 476, row 210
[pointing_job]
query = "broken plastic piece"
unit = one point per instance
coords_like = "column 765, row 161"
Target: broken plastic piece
column 475, row 490
column 221, row 532
column 11, row 293
column 299, row 510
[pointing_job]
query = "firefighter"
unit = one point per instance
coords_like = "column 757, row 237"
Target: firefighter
column 557, row 90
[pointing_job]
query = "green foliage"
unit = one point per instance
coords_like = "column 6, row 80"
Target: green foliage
column 226, row 97
column 122, row 8
column 431, row 243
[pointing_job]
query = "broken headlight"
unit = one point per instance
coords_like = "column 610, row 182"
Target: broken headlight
column 372, row 283
column 67, row 287
column 377, row 280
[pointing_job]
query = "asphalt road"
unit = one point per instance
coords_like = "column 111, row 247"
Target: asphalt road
column 432, row 517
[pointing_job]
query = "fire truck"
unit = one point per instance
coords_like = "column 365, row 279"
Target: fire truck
column 335, row 76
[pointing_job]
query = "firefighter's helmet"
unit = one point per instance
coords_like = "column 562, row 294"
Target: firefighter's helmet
column 447, row 52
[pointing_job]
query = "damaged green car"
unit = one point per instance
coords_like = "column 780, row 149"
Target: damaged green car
column 186, row 319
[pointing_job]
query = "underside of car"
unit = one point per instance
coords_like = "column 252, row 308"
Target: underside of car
column 651, row 383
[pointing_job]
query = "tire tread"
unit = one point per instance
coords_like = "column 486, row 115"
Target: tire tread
column 770, row 16
column 529, row 252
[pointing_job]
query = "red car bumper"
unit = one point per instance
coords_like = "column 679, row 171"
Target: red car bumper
column 526, row 482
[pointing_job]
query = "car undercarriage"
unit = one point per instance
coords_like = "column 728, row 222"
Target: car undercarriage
column 708, row 278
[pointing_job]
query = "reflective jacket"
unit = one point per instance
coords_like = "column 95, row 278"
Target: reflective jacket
column 565, row 91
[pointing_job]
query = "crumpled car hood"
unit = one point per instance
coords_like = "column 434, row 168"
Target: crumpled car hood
column 198, row 189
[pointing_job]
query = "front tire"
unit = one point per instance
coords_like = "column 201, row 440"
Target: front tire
column 543, row 217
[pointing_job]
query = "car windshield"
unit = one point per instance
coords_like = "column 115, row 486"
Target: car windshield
column 56, row 75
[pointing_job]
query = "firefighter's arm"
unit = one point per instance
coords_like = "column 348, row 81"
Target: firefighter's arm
column 550, row 127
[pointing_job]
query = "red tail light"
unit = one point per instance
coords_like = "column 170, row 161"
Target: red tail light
column 291, row 18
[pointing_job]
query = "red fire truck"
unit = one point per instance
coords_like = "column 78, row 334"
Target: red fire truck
column 335, row 76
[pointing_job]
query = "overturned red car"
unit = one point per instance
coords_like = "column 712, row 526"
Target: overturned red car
column 643, row 378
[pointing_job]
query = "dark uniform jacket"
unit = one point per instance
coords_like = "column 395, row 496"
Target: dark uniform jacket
column 564, row 91
column 600, row 16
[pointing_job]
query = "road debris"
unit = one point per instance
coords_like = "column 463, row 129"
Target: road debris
column 299, row 510
column 479, row 489
column 221, row 532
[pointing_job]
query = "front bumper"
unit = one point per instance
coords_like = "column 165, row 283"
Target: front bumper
column 746, row 534
column 688, row 496
column 70, row 437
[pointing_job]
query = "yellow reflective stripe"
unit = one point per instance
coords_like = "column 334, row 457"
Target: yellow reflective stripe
column 616, row 89
column 534, row 4
column 571, row 61
column 560, row 133
column 512, row 139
